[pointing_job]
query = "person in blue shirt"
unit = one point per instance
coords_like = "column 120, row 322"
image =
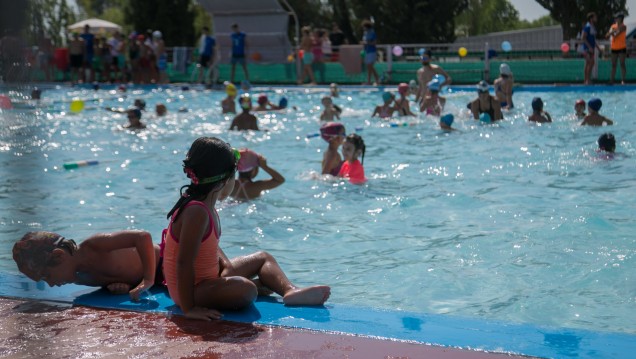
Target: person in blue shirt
column 89, row 40
column 208, row 52
column 371, row 53
column 589, row 46
column 239, row 53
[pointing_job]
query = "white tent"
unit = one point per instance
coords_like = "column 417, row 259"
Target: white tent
column 96, row 25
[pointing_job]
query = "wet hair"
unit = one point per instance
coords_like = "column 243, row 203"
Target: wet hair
column 209, row 163
column 607, row 142
column 33, row 252
column 358, row 143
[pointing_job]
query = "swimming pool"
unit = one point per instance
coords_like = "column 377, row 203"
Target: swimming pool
column 515, row 222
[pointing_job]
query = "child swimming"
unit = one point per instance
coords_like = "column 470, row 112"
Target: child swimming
column 330, row 111
column 199, row 277
column 245, row 120
column 265, row 105
column 538, row 115
column 402, row 105
column 446, row 121
column 594, row 118
column 134, row 119
column 607, row 143
column 579, row 108
column 246, row 188
column 227, row 104
column 352, row 168
column 433, row 103
column 122, row 262
column 385, row 110
column 334, row 134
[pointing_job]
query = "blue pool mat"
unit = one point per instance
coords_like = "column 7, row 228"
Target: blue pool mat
column 445, row 330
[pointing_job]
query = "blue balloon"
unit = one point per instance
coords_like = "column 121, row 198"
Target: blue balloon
column 506, row 46
column 421, row 51
column 440, row 78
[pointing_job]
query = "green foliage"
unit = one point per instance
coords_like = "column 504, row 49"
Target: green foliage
column 49, row 18
column 174, row 18
column 201, row 19
column 486, row 16
column 409, row 21
column 571, row 14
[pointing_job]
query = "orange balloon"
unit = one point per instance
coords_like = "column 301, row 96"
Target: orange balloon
column 257, row 56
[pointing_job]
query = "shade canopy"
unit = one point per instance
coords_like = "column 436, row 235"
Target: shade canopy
column 96, row 25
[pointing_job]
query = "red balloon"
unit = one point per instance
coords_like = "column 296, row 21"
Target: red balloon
column 301, row 53
column 565, row 47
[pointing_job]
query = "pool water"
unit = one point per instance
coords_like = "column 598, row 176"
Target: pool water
column 513, row 221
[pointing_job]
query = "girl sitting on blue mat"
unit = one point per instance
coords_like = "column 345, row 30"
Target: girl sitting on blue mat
column 199, row 276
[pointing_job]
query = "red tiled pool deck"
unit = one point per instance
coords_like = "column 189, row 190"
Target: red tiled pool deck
column 36, row 329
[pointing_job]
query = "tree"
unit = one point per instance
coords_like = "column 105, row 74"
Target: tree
column 410, row 21
column 485, row 16
column 49, row 18
column 571, row 14
column 174, row 18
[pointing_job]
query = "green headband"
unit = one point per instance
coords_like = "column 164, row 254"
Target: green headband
column 237, row 157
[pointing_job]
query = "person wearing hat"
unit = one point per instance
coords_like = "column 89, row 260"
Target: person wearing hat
column 162, row 57
column 446, row 121
column 386, row 109
column 227, row 104
column 579, row 109
column 134, row 119
column 538, row 115
column 617, row 35
column 402, row 105
column 245, row 187
column 433, row 103
column 245, row 120
column 426, row 73
column 485, row 103
column 594, row 118
column 503, row 87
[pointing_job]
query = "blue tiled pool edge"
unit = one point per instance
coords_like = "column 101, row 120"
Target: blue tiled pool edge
column 444, row 330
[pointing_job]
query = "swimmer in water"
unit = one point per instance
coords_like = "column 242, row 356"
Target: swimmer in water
column 245, row 120
column 227, row 104
column 245, row 187
column 402, row 105
column 385, row 110
column 352, row 168
column 579, row 108
column 538, row 115
column 607, row 143
column 446, row 121
column 334, row 133
column 330, row 111
column 433, row 103
column 485, row 103
column 134, row 120
column 334, row 91
column 594, row 118
column 160, row 110
column 265, row 105
column 503, row 87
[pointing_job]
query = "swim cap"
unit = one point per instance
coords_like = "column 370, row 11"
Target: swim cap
column 595, row 104
column 387, row 96
column 403, row 88
column 156, row 34
column 482, row 86
column 333, row 85
column 485, row 118
column 230, row 89
column 447, row 119
column 537, row 104
column 440, row 78
column 331, row 129
column 434, row 85
column 245, row 101
column 504, row 69
column 140, row 104
column 412, row 84
column 580, row 102
column 248, row 161
column 262, row 99
column 282, row 103
column 607, row 142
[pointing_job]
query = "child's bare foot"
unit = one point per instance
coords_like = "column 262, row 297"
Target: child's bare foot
column 118, row 288
column 315, row 295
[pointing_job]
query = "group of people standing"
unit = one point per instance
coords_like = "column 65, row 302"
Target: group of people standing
column 137, row 58
column 618, row 44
